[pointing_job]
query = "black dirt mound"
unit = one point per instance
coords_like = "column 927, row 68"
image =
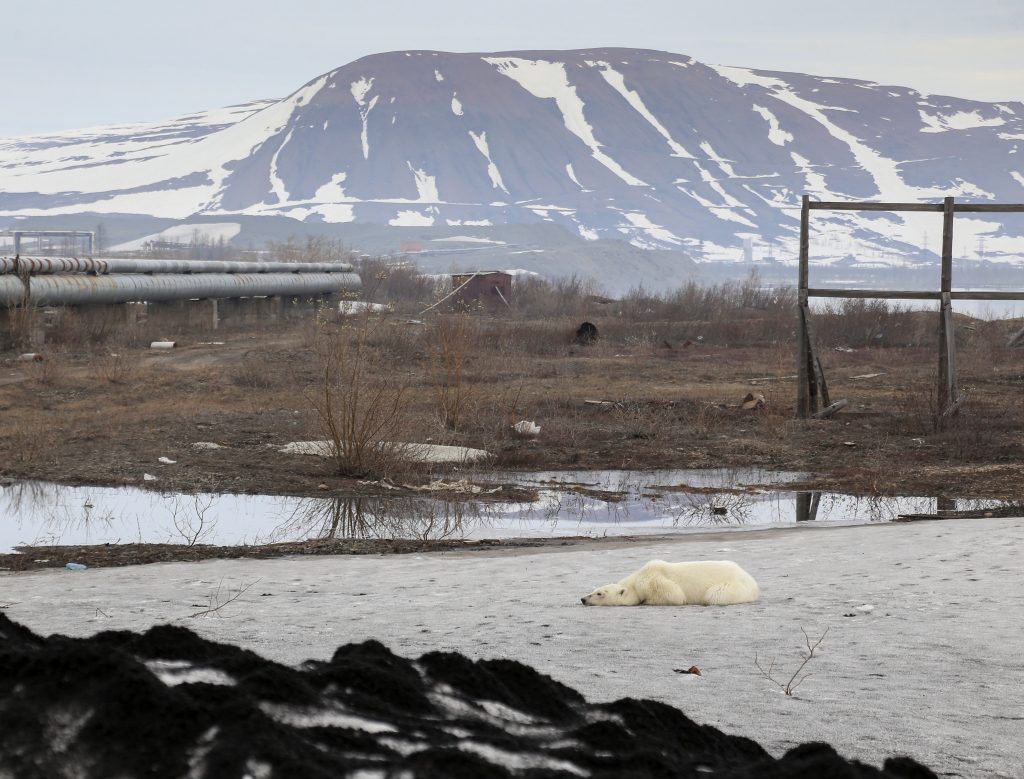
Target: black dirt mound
column 168, row 703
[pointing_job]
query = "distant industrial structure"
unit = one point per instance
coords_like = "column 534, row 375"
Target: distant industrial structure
column 490, row 289
column 200, row 293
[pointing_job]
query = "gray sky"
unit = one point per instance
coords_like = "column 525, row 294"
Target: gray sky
column 70, row 63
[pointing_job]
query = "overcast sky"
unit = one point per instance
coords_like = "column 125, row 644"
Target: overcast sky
column 70, row 63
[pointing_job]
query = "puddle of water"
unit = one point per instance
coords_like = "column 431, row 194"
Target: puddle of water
column 569, row 503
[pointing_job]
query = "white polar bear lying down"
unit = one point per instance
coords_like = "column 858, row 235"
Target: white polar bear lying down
column 705, row 582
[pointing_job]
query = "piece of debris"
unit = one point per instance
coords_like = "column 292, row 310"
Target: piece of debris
column 694, row 670
column 599, row 402
column 322, row 486
column 867, row 376
column 759, row 379
column 719, row 510
column 163, row 345
column 846, row 349
column 849, row 443
column 586, row 333
column 526, row 428
column 206, row 445
column 866, row 608
column 348, row 307
column 831, row 410
column 166, row 460
column 752, row 401
column 148, row 477
column 666, row 344
column 30, row 357
column 75, row 566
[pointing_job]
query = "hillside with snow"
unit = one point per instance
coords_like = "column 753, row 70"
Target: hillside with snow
column 651, row 148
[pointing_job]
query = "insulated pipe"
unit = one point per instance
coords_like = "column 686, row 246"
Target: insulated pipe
column 125, row 288
column 48, row 265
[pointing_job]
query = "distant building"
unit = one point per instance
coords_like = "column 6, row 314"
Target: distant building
column 490, row 289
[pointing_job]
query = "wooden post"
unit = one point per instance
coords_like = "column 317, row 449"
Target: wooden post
column 945, row 391
column 803, row 396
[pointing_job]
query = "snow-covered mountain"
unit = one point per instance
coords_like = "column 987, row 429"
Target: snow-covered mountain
column 649, row 147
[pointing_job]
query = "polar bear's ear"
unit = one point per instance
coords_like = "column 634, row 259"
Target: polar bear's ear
column 622, row 591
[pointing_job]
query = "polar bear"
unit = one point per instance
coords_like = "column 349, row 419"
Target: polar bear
column 657, row 583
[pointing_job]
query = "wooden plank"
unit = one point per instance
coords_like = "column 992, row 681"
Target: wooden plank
column 947, row 245
column 943, row 394
column 831, row 409
column 814, row 384
column 803, row 395
column 805, row 242
column 907, row 294
column 952, row 381
column 986, row 295
column 819, row 371
column 871, row 206
column 880, row 294
column 989, row 208
column 822, row 384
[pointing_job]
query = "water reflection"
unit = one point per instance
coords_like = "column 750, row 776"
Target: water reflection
column 376, row 518
column 566, row 504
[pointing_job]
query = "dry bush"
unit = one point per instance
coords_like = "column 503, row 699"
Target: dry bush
column 113, row 367
column 453, row 339
column 51, row 371
column 359, row 404
column 29, row 437
column 398, row 283
column 253, row 372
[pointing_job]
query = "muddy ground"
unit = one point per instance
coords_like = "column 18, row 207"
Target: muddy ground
column 105, row 413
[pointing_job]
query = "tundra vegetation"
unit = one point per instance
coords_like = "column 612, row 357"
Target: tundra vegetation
column 660, row 387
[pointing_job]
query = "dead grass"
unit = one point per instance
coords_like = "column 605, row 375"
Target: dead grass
column 467, row 378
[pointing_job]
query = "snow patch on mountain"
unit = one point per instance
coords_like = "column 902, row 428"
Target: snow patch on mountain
column 549, row 80
column 618, row 82
column 776, row 134
column 480, row 140
column 210, row 232
column 961, row 120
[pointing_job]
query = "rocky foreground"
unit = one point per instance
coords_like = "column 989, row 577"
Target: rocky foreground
column 167, row 703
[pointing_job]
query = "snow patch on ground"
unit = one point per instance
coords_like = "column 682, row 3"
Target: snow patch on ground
column 548, row 80
column 456, row 106
column 1017, row 177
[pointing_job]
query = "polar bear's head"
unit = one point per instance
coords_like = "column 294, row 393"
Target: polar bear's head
column 611, row 595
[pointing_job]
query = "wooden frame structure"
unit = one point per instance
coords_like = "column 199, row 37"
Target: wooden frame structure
column 812, row 390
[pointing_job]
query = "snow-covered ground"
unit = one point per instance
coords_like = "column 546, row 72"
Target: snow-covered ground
column 934, row 670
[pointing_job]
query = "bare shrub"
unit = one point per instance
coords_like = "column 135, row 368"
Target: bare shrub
column 252, row 372
column 191, row 522
column 113, row 367
column 29, row 437
column 795, row 680
column 51, row 371
column 452, row 343
column 358, row 403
